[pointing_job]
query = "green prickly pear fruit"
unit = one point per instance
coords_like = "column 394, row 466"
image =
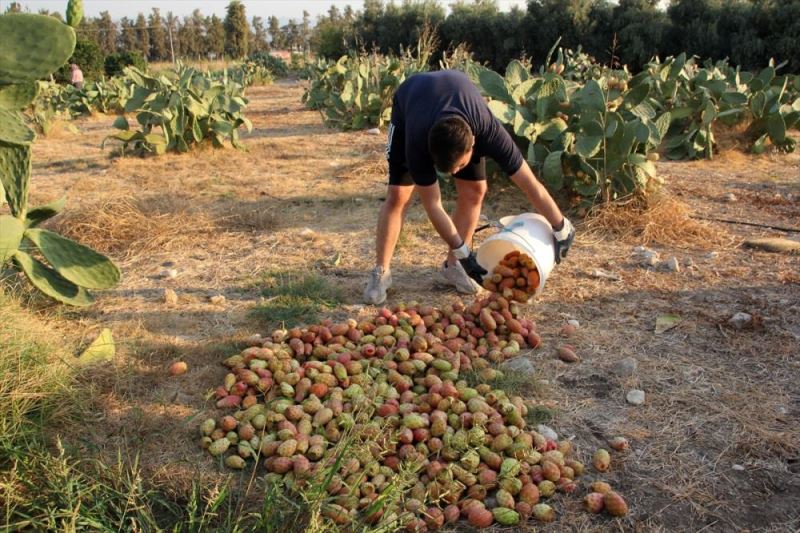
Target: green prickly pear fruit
column 506, row 517
column 219, row 446
column 235, row 462
column 74, row 12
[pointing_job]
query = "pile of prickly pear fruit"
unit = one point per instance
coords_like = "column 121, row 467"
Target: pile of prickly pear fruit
column 515, row 277
column 393, row 387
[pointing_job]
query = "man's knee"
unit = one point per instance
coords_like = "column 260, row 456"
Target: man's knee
column 397, row 199
column 472, row 191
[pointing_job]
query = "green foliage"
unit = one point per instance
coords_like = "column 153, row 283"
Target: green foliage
column 180, row 109
column 592, row 139
column 356, row 91
column 295, row 298
column 115, row 63
column 70, row 268
column 275, row 65
column 88, row 57
column 237, row 30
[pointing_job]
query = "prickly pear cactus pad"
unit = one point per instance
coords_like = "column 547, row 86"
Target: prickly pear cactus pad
column 33, row 46
column 74, row 12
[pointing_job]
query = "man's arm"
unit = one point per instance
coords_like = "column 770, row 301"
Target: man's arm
column 563, row 232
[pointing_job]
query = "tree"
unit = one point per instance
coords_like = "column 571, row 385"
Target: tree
column 305, row 31
column 276, row 35
column 236, row 30
column 142, row 36
column 260, row 42
column 159, row 47
column 106, row 35
column 172, row 25
column 127, row 40
column 215, row 36
column 640, row 28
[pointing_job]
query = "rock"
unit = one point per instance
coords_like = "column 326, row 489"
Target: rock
column 740, row 320
column 602, row 274
column 307, row 232
column 730, row 197
column 522, row 365
column 181, row 398
column 168, row 273
column 688, row 262
column 547, row 432
column 712, row 255
column 672, row 264
column 635, row 397
column 573, row 322
column 374, row 131
column 217, row 299
column 645, row 256
column 168, row 264
column 170, row 297
column 738, row 468
column 625, row 367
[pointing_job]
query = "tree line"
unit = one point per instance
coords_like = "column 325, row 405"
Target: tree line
column 748, row 32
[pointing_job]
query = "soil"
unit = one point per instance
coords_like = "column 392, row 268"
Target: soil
column 716, row 445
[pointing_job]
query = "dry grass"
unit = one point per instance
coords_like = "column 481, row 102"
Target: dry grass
column 661, row 219
column 131, row 226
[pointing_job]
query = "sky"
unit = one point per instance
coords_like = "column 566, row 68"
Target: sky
column 283, row 9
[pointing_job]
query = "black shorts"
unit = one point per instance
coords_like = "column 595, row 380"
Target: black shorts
column 398, row 168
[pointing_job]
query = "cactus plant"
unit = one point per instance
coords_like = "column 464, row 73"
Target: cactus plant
column 74, row 12
column 72, row 267
column 187, row 106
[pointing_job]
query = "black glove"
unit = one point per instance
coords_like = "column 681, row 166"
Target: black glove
column 472, row 268
column 563, row 239
column 469, row 262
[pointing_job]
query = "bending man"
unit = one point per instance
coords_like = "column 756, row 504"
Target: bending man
column 441, row 124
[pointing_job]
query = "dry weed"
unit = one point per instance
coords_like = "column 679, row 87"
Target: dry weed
column 661, row 219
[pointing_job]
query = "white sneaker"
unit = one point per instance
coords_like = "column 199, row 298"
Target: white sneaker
column 379, row 281
column 455, row 276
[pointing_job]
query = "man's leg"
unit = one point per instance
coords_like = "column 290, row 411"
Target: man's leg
column 468, row 210
column 390, row 221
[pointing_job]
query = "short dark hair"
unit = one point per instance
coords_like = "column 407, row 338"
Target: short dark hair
column 449, row 138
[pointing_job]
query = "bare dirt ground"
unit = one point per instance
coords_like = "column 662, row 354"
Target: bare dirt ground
column 716, row 445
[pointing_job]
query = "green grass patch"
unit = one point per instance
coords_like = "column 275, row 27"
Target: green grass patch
column 293, row 298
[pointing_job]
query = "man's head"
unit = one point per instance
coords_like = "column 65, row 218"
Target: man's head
column 450, row 142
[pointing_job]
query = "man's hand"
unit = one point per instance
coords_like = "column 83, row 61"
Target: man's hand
column 563, row 238
column 469, row 262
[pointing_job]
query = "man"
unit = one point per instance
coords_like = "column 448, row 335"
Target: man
column 77, row 76
column 441, row 124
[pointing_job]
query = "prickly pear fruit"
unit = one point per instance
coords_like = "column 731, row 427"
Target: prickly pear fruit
column 601, row 460
column 235, row 462
column 480, row 517
column 615, row 505
column 619, row 444
column 600, row 486
column 506, row 517
column 74, row 12
column 593, row 502
column 543, row 512
column 219, row 446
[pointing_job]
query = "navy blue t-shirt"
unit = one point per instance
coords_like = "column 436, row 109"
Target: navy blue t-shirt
column 423, row 99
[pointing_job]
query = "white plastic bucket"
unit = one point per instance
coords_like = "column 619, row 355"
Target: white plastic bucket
column 529, row 233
